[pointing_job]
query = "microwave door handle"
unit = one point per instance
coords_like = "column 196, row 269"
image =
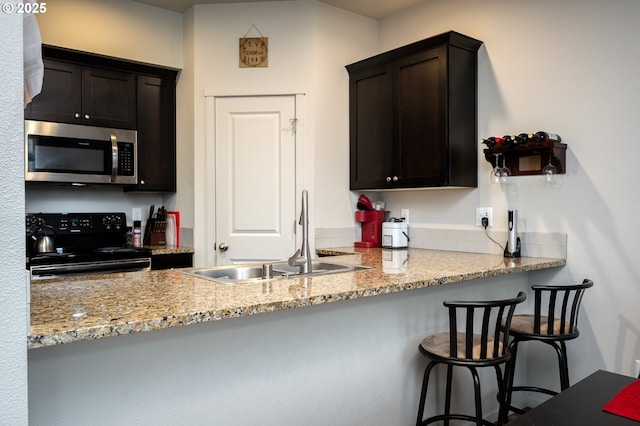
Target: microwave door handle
column 114, row 158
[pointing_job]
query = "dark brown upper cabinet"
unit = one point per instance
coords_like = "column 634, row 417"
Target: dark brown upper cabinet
column 156, row 134
column 413, row 116
column 91, row 89
column 76, row 94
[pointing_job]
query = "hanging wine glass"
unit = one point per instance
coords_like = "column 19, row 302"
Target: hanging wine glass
column 505, row 172
column 496, row 172
column 549, row 171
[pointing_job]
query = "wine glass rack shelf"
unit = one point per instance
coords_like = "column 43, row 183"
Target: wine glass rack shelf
column 530, row 160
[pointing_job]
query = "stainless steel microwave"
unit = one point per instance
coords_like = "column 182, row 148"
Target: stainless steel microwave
column 71, row 153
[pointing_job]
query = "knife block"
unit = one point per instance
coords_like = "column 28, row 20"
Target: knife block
column 154, row 232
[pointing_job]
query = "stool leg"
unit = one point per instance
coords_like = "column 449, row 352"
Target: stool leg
column 562, row 363
column 564, row 368
column 476, row 391
column 447, row 400
column 423, row 393
column 509, row 373
column 501, row 396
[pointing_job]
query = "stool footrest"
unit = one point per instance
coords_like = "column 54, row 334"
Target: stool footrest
column 529, row 389
column 533, row 389
column 466, row 417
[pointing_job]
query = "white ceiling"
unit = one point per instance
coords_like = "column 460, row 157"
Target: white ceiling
column 376, row 9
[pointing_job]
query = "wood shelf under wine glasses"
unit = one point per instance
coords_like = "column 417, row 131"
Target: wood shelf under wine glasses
column 530, row 160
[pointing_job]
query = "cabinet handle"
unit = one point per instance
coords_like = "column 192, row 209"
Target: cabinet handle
column 395, row 178
column 87, row 116
column 77, row 115
column 388, row 178
column 141, row 181
column 223, row 247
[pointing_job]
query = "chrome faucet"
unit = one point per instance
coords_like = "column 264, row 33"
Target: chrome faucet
column 302, row 257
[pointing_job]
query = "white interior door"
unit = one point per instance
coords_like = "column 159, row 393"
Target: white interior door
column 255, row 160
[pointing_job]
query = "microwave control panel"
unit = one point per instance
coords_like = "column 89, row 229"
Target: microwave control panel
column 126, row 159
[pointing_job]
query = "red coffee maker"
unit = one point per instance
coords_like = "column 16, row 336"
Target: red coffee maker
column 372, row 221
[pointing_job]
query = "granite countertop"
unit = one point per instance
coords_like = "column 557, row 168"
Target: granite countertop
column 66, row 310
column 159, row 250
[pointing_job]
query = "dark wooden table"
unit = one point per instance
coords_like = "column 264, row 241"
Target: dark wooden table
column 581, row 404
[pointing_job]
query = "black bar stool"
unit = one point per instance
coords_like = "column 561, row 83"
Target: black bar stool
column 553, row 322
column 465, row 348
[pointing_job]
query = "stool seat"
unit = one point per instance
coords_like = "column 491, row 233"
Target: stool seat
column 553, row 322
column 477, row 337
column 439, row 345
column 524, row 325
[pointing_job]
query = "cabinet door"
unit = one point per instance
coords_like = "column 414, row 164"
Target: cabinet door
column 420, row 148
column 156, row 134
column 108, row 98
column 371, row 127
column 60, row 99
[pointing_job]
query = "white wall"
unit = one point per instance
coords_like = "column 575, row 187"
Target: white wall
column 572, row 68
column 13, row 316
column 342, row 39
column 120, row 28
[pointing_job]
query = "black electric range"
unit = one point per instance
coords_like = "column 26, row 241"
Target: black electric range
column 84, row 243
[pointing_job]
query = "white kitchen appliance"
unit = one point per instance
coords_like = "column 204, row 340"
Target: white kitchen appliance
column 395, row 235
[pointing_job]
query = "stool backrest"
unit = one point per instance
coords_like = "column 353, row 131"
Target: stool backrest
column 481, row 326
column 561, row 305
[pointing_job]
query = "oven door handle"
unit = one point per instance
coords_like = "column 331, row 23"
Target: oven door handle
column 114, row 157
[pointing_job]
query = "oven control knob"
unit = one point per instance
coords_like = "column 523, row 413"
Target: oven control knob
column 112, row 222
column 35, row 223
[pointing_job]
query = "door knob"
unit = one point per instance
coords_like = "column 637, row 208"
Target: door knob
column 223, row 247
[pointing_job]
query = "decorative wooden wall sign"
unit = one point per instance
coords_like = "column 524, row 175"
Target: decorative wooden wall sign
column 254, row 51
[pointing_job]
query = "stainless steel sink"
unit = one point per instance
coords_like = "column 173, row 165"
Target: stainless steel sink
column 247, row 273
column 316, row 268
column 229, row 273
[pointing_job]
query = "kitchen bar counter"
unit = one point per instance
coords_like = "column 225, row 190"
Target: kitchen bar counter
column 92, row 307
column 166, row 249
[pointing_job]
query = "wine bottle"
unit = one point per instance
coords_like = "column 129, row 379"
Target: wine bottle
column 493, row 142
column 545, row 136
column 509, row 141
column 523, row 138
column 528, row 139
column 520, row 139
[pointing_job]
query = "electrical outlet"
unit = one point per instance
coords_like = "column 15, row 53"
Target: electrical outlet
column 484, row 212
column 405, row 214
column 637, row 367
